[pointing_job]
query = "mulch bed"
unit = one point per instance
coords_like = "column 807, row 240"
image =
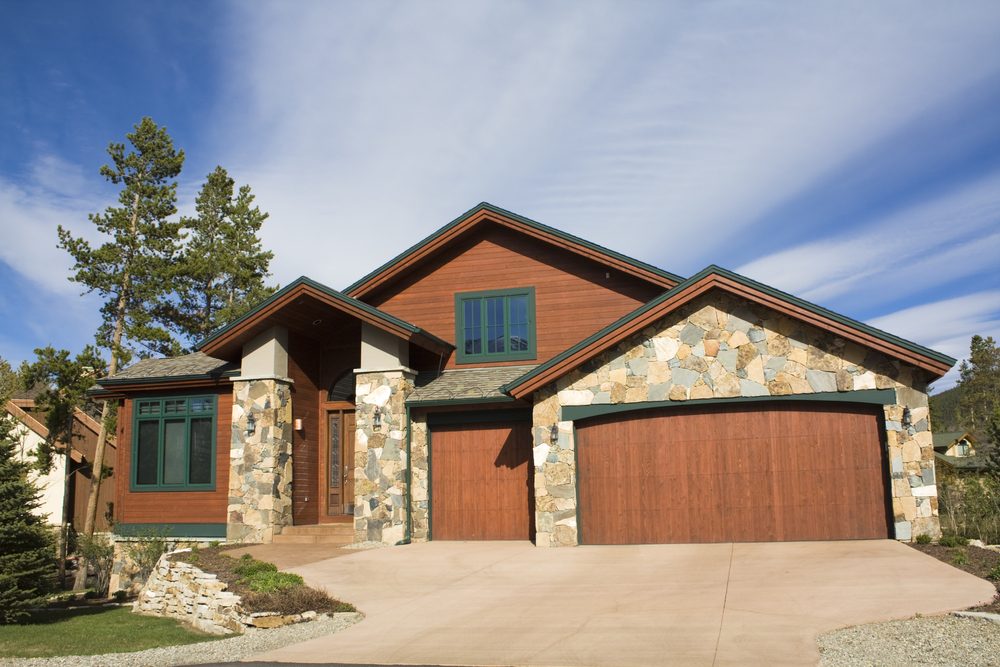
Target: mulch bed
column 295, row 600
column 980, row 562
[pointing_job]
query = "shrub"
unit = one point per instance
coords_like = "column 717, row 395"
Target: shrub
column 97, row 552
column 923, row 539
column 120, row 595
column 960, row 558
column 249, row 567
column 994, row 574
column 953, row 541
column 268, row 581
column 145, row 550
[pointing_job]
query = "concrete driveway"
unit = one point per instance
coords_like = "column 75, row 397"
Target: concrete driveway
column 505, row 603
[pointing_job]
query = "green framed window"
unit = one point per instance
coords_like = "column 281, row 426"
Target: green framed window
column 497, row 325
column 173, row 443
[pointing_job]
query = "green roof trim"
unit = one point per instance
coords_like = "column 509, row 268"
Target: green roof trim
column 486, row 206
column 334, row 294
column 761, row 287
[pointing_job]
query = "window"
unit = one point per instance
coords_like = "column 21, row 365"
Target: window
column 173, row 444
column 495, row 326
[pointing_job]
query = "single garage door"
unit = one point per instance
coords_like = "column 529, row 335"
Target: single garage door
column 481, row 482
column 751, row 473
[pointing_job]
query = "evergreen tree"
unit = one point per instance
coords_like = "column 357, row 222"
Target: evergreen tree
column 27, row 557
column 980, row 384
column 222, row 271
column 132, row 269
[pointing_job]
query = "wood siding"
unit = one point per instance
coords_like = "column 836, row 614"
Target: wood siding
column 741, row 474
column 481, row 482
column 175, row 506
column 304, row 370
column 574, row 296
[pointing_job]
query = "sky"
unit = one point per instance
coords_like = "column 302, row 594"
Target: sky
column 846, row 152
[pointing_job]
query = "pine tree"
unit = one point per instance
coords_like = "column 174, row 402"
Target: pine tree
column 132, row 270
column 222, row 271
column 27, row 556
column 980, row 384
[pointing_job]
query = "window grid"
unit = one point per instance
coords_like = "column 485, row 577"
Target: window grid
column 184, row 451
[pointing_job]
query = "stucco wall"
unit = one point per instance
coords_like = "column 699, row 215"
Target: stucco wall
column 721, row 346
column 51, row 484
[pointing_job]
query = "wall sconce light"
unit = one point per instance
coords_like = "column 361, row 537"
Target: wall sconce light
column 554, row 434
column 251, row 425
column 907, row 419
column 298, row 424
column 377, row 420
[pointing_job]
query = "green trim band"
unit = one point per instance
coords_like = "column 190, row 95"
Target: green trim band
column 869, row 396
column 212, row 530
column 443, row 402
column 485, row 206
column 477, row 417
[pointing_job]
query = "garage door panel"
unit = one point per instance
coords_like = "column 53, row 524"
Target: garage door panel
column 750, row 473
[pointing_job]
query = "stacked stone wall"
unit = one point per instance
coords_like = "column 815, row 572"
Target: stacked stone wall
column 721, row 346
column 380, row 456
column 183, row 592
column 419, row 483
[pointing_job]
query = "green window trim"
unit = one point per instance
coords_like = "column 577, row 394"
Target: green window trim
column 158, row 412
column 480, row 302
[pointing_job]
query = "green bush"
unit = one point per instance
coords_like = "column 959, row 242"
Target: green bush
column 953, row 541
column 960, row 558
column 120, row 595
column 145, row 550
column 269, row 581
column 923, row 539
column 249, row 567
column 98, row 552
column 994, row 574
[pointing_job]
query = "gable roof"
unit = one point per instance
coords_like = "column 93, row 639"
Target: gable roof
column 194, row 366
column 458, row 385
column 485, row 212
column 947, row 438
column 714, row 277
column 307, row 287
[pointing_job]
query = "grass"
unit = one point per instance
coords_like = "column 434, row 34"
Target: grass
column 92, row 631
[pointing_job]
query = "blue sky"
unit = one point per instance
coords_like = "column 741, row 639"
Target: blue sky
column 846, row 152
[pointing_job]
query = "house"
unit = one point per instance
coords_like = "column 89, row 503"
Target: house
column 502, row 379
column 957, row 444
column 31, row 432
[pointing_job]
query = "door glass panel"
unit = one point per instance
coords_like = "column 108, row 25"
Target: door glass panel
column 173, row 451
column 335, row 474
column 200, row 464
column 147, row 452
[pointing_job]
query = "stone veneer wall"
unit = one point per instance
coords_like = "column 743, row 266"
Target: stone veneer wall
column 418, row 478
column 190, row 595
column 260, row 466
column 380, row 456
column 722, row 346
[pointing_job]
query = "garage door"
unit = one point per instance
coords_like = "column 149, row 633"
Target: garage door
column 481, row 482
column 751, row 473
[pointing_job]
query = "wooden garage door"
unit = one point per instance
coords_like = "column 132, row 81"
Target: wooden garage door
column 481, row 482
column 752, row 473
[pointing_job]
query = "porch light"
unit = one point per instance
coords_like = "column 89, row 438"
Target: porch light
column 554, row 434
column 907, row 420
column 377, row 420
column 251, row 425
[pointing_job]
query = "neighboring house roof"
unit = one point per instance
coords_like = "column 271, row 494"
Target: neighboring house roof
column 28, row 420
column 948, row 438
column 196, row 365
column 464, row 385
column 307, row 287
column 962, row 463
column 485, row 212
column 714, row 277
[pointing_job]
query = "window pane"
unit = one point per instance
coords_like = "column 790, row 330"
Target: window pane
column 147, row 456
column 473, row 342
column 173, row 451
column 518, row 323
column 200, row 471
column 149, row 408
column 201, row 405
column 495, row 324
column 175, row 407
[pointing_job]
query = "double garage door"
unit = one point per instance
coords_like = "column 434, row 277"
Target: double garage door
column 748, row 473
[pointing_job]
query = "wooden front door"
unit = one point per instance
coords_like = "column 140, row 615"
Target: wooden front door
column 481, row 482
column 756, row 473
column 339, row 477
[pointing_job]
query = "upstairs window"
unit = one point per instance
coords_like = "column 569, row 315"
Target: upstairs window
column 173, row 444
column 498, row 325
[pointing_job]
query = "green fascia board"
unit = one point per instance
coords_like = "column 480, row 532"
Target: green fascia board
column 114, row 382
column 486, row 206
column 518, row 415
column 440, row 402
column 718, row 270
column 199, row 530
column 329, row 291
column 869, row 396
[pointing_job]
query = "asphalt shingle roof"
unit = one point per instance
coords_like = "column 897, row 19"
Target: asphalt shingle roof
column 465, row 383
column 194, row 364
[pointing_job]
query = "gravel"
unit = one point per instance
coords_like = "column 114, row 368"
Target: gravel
column 943, row 641
column 254, row 641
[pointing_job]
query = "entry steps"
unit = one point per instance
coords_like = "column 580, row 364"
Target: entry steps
column 324, row 533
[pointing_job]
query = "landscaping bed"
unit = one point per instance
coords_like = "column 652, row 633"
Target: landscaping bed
column 260, row 586
column 983, row 563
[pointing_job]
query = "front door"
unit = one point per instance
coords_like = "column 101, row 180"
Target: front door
column 340, row 462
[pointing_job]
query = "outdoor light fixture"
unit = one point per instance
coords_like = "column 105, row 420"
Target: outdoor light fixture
column 251, row 425
column 906, row 418
column 554, row 434
column 377, row 421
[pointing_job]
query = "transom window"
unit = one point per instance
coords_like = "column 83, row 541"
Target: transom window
column 173, row 443
column 495, row 326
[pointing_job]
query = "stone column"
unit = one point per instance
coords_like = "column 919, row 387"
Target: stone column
column 419, row 476
column 380, row 455
column 911, row 466
column 260, row 463
column 555, row 475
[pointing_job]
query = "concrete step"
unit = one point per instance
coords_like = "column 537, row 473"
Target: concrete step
column 320, row 529
column 332, row 540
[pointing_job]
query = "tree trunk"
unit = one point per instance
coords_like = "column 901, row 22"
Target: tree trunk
column 97, row 470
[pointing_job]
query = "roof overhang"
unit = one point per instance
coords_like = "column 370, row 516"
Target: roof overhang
column 486, row 213
column 713, row 277
column 262, row 316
